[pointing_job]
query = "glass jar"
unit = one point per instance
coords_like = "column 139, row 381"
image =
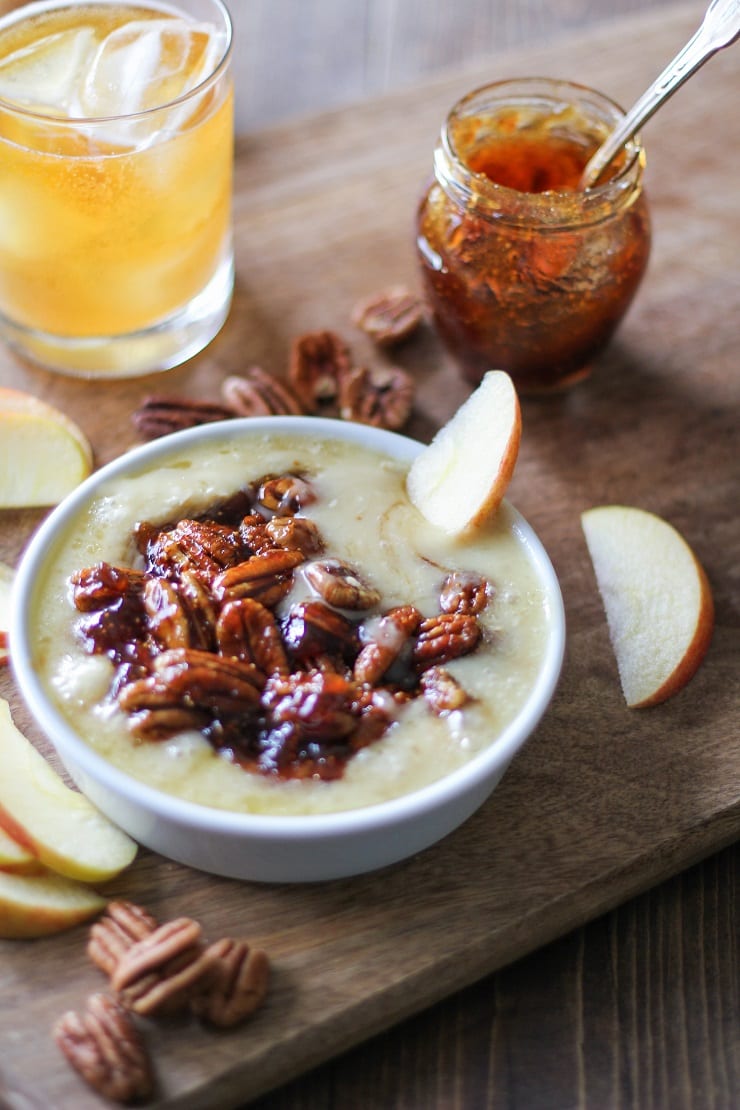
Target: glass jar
column 523, row 271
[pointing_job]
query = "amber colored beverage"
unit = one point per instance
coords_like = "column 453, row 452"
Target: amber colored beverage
column 116, row 151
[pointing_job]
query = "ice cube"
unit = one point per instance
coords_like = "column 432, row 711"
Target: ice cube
column 147, row 63
column 45, row 75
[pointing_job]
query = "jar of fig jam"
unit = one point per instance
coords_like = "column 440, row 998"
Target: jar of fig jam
column 524, row 271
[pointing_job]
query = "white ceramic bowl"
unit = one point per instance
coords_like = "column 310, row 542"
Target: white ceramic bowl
column 262, row 847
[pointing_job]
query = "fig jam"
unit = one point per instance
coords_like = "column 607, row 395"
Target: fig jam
column 522, row 269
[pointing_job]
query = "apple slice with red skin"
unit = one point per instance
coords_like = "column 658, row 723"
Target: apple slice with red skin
column 39, row 904
column 657, row 597
column 459, row 480
column 56, row 824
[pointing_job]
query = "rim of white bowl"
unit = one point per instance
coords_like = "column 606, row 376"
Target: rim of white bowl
column 65, row 739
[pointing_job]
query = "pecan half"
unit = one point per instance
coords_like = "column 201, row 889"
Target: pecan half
column 313, row 630
column 122, row 926
column 340, row 585
column 382, row 396
column 200, row 679
column 385, row 642
column 286, row 494
column 238, row 985
column 103, row 584
column 445, row 637
column 105, row 1048
column 297, row 533
column 389, row 316
column 257, row 393
column 161, row 414
column 156, row 712
column 205, row 548
column 443, row 692
column 464, row 592
column 165, row 970
column 247, row 630
column 266, row 577
column 318, row 361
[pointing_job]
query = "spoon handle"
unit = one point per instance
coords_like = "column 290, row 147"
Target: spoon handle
column 720, row 27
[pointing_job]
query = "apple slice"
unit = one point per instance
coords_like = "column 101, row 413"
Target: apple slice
column 459, row 480
column 657, row 598
column 58, row 825
column 6, row 583
column 14, row 857
column 37, row 905
column 43, row 454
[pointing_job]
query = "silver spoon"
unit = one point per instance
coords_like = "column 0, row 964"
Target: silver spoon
column 720, row 28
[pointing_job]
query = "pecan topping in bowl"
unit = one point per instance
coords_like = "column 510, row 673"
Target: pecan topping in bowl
column 286, row 663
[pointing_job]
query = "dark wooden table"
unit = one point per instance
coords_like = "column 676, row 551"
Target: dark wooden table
column 640, row 1009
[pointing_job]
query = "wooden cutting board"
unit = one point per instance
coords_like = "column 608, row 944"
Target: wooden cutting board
column 604, row 802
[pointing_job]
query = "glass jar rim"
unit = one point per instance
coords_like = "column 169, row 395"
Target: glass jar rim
column 554, row 207
column 38, row 6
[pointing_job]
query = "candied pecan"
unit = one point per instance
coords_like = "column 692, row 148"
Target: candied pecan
column 382, row 396
column 297, row 533
column 156, row 712
column 201, row 679
column 266, row 577
column 313, row 630
column 318, row 361
column 254, row 535
column 162, row 972
column 445, row 637
column 104, row 1046
column 464, row 592
column 161, row 414
column 443, row 692
column 257, row 393
column 308, row 713
column 238, row 985
column 389, row 316
column 201, row 547
column 385, row 642
column 247, row 630
column 167, row 619
column 285, row 493
column 103, row 584
column 340, row 585
column 121, row 926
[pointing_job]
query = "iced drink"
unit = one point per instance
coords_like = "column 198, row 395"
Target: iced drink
column 116, row 125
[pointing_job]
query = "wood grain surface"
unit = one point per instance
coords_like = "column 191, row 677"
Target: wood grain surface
column 604, row 802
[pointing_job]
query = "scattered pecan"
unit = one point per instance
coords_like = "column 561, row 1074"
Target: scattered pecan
column 122, row 926
column 162, row 972
column 445, row 637
column 385, row 643
column 247, row 630
column 238, row 985
column 389, row 316
column 105, row 1048
column 297, row 533
column 340, row 585
column 464, row 592
column 382, row 397
column 161, row 414
column 443, row 692
column 318, row 362
column 257, row 393
column 266, row 577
